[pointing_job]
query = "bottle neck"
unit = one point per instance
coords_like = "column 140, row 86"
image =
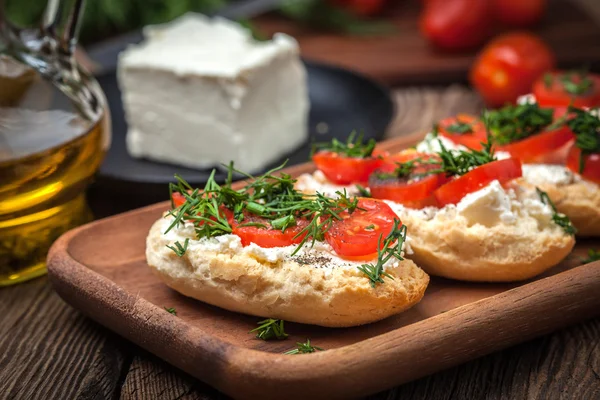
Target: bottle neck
column 56, row 35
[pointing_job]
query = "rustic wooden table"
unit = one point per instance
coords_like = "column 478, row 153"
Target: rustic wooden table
column 50, row 351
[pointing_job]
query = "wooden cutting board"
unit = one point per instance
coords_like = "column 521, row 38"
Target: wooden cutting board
column 405, row 57
column 100, row 268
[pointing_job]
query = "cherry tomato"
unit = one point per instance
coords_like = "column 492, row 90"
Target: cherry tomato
column 538, row 148
column 343, row 170
column 361, row 7
column 501, row 170
column 591, row 169
column 520, row 13
column 409, row 191
column 456, row 24
column 564, row 88
column 463, row 129
column 507, row 67
column 265, row 235
column 357, row 234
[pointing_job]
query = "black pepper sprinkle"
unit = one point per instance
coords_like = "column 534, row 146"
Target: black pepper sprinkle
column 317, row 261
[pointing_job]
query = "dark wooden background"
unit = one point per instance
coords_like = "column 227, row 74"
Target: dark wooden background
column 50, row 351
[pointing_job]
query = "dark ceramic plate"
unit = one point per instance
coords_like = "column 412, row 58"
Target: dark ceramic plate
column 340, row 100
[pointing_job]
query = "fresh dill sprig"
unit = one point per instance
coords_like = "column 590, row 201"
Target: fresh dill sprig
column 460, row 128
column 171, row 310
column 593, row 255
column 402, row 170
column 559, row 219
column 271, row 197
column 586, row 128
column 363, row 191
column 178, row 248
column 304, row 348
column 577, row 83
column 392, row 247
column 354, row 146
column 270, row 329
column 459, row 162
column 512, row 123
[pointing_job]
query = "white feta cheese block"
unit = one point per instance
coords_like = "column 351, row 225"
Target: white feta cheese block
column 200, row 92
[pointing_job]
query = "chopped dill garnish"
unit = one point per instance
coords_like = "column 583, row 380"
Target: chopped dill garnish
column 459, row 162
column 559, row 219
column 178, row 248
column 593, row 255
column 304, row 348
column 270, row 329
column 577, row 83
column 586, row 128
column 392, row 247
column 270, row 197
column 363, row 191
column 512, row 123
column 460, row 128
column 402, row 170
column 171, row 310
column 353, row 147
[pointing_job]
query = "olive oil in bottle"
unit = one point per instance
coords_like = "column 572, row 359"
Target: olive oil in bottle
column 53, row 137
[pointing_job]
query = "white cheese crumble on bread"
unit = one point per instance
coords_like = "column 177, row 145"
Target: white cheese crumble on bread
column 537, row 174
column 200, row 92
column 321, row 255
column 317, row 182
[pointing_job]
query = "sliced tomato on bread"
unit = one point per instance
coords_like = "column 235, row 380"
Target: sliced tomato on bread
column 501, row 170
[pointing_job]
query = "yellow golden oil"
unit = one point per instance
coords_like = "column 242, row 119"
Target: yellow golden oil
column 49, row 152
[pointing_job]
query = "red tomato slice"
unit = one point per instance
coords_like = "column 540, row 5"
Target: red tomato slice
column 538, row 147
column 471, row 139
column 501, row 170
column 357, row 234
column 178, row 199
column 267, row 236
column 413, row 193
column 591, row 169
column 555, row 94
column 344, row 170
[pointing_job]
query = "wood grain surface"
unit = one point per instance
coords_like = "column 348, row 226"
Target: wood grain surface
column 50, row 351
column 405, row 57
column 101, row 269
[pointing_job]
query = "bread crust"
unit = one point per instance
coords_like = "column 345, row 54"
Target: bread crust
column 500, row 253
column 580, row 201
column 285, row 290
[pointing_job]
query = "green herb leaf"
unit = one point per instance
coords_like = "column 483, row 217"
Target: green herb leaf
column 171, row 310
column 559, row 219
column 272, row 198
column 460, row 128
column 517, row 122
column 304, row 348
column 364, row 192
column 586, row 128
column 593, row 255
column 577, row 83
column 548, row 80
column 459, row 162
column 354, row 146
column 392, row 247
column 178, row 248
column 270, row 329
column 403, row 170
